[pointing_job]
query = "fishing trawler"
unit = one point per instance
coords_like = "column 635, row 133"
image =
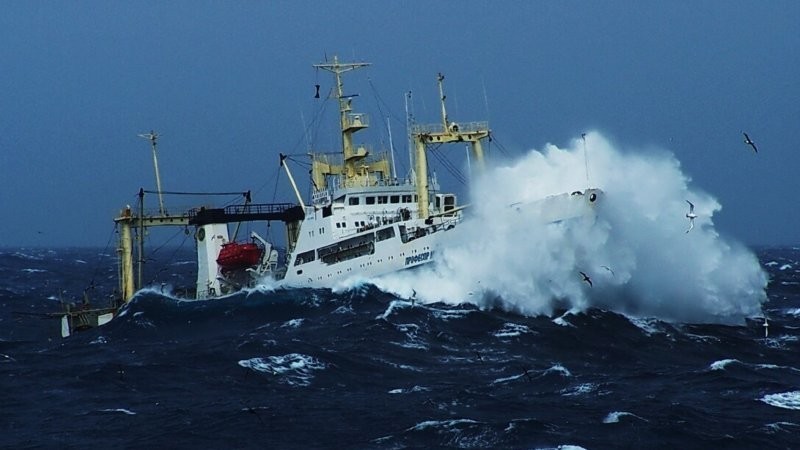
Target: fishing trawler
column 361, row 222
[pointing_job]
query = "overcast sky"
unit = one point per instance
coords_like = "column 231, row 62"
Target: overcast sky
column 229, row 85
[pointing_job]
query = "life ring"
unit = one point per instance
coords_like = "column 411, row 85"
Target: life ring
column 201, row 234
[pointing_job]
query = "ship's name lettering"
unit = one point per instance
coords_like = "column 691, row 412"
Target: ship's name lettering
column 418, row 258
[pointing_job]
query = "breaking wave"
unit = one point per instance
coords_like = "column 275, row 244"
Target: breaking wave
column 639, row 253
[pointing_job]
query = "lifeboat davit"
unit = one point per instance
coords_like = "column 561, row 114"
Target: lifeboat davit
column 235, row 255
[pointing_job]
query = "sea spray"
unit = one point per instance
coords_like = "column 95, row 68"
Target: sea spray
column 639, row 253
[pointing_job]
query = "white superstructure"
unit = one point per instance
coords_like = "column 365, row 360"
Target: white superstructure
column 362, row 221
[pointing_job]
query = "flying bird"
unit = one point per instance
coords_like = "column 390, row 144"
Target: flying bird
column 749, row 142
column 608, row 269
column 586, row 278
column 691, row 215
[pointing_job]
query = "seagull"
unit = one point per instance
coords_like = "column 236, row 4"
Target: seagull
column 608, row 269
column 749, row 142
column 586, row 278
column 691, row 215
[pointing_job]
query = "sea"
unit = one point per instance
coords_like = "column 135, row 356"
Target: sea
column 636, row 326
column 366, row 368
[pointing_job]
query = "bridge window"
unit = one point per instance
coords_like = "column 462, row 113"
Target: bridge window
column 353, row 200
column 406, row 199
column 304, row 257
column 395, row 199
column 386, row 233
column 383, row 199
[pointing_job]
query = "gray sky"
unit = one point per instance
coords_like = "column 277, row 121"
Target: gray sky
column 229, row 85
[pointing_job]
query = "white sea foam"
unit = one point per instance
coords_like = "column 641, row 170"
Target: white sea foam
column 511, row 330
column 786, row 427
column 649, row 326
column 785, row 400
column 413, row 341
column 722, row 364
column 409, row 391
column 613, row 417
column 119, row 410
column 559, row 369
column 294, row 369
column 507, row 255
column 581, row 389
column 442, row 424
column 793, row 312
column 344, row 309
column 393, row 305
column 294, row 323
column 562, row 321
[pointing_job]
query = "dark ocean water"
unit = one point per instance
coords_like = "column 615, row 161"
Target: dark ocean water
column 365, row 369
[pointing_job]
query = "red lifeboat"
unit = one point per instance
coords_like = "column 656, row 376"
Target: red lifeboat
column 235, row 255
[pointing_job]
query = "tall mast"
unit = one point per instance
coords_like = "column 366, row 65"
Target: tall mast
column 349, row 123
column 409, row 128
column 152, row 137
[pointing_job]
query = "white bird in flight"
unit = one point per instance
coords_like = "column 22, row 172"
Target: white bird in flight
column 691, row 215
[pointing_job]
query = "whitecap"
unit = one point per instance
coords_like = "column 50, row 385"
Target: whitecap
column 34, row 270
column 412, row 340
column 581, row 389
column 446, row 424
column 560, row 321
column 121, row 410
column 344, row 310
column 507, row 379
column 511, row 330
column 409, row 391
column 786, row 427
column 785, row 267
column 450, row 314
column 649, row 326
column 394, row 304
column 558, row 368
column 294, row 323
column 294, row 369
column 613, row 417
column 702, row 338
column 771, row 263
column 721, row 364
column 785, row 400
